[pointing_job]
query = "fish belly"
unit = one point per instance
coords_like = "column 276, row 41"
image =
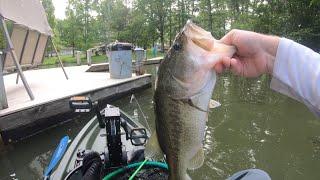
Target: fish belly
column 180, row 129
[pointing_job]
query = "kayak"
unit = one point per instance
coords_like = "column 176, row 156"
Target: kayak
column 110, row 146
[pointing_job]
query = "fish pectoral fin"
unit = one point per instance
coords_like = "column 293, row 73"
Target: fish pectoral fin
column 197, row 160
column 198, row 101
column 153, row 150
column 213, row 104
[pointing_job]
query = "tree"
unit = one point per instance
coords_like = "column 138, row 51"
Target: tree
column 156, row 14
column 146, row 22
column 49, row 9
column 76, row 29
column 2, row 40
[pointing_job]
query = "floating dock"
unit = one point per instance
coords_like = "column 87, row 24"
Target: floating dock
column 105, row 66
column 52, row 92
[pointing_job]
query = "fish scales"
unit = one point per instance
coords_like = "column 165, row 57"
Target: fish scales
column 184, row 87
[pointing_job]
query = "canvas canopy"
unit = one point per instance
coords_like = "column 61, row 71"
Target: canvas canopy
column 29, row 13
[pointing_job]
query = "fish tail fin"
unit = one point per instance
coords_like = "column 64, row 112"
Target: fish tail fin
column 187, row 177
column 153, row 150
column 197, row 160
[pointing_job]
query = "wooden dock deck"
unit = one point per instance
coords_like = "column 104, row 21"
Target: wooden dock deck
column 52, row 92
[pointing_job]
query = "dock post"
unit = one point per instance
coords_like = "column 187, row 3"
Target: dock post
column 3, row 100
column 89, row 53
column 78, row 53
column 140, row 55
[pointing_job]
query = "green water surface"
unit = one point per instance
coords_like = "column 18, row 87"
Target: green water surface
column 254, row 127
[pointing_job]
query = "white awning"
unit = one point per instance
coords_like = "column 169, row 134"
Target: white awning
column 29, row 13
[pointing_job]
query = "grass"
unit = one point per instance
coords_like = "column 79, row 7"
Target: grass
column 68, row 60
column 150, row 55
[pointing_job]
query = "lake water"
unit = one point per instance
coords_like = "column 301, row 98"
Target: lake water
column 254, row 127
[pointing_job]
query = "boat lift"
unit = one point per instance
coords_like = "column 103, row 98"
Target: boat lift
column 27, row 43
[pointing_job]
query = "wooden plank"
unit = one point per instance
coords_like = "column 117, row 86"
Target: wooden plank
column 35, row 49
column 40, row 51
column 23, row 47
column 29, row 48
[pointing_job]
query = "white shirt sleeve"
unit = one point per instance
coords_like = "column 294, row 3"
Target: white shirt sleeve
column 296, row 73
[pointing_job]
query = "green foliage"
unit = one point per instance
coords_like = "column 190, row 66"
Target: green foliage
column 149, row 22
column 314, row 2
column 67, row 59
column 49, row 9
column 292, row 19
column 2, row 40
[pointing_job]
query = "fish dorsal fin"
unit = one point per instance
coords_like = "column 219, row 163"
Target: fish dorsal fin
column 197, row 160
column 153, row 150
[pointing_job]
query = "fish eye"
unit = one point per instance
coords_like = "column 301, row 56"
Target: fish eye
column 177, row 46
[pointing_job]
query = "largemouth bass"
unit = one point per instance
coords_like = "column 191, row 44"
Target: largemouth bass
column 186, row 80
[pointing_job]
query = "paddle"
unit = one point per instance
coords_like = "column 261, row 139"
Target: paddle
column 57, row 155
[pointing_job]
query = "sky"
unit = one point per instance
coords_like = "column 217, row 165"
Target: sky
column 59, row 8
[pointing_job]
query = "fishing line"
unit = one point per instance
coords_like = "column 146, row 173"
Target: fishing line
column 144, row 116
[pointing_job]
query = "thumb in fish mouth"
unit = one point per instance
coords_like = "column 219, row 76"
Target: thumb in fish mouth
column 214, row 46
column 213, row 50
column 206, row 41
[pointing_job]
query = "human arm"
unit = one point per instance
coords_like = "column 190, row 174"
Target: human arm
column 296, row 73
column 295, row 68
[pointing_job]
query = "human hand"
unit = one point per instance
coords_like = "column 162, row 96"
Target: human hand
column 255, row 53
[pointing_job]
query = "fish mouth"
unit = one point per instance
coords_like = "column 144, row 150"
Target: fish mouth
column 199, row 36
column 206, row 41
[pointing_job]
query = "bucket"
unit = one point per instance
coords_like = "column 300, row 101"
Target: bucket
column 120, row 64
